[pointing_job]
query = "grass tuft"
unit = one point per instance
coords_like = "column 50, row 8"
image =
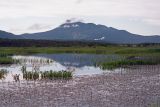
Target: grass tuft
column 3, row 73
column 56, row 75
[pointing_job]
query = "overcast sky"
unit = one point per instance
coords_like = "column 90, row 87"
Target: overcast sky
column 26, row 16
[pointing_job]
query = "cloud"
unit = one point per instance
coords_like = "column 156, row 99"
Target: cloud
column 72, row 20
column 145, row 10
column 79, row 1
column 39, row 27
column 155, row 22
column 127, row 8
column 31, row 29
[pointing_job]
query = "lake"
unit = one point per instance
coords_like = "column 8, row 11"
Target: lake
column 79, row 64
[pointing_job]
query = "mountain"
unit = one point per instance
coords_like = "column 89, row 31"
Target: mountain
column 6, row 35
column 92, row 32
column 86, row 32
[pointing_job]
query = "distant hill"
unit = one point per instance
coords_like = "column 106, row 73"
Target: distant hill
column 88, row 32
column 6, row 35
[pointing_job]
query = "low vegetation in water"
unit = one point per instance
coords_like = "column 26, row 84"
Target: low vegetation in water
column 30, row 75
column 126, row 62
column 56, row 75
column 6, row 60
column 2, row 54
column 3, row 73
column 34, row 75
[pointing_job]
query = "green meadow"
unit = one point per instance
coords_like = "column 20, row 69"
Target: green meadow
column 122, row 50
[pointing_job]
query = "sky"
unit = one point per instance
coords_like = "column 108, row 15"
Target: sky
column 29, row 16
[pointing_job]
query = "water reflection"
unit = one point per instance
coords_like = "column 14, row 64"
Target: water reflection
column 79, row 60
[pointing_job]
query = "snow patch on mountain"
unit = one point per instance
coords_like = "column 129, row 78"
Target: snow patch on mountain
column 102, row 38
column 70, row 25
column 66, row 26
column 75, row 25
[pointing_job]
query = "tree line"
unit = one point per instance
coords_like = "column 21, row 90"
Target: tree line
column 58, row 43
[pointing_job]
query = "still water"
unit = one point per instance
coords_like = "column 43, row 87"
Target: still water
column 79, row 64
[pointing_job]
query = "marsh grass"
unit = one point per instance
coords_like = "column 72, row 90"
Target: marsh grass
column 4, row 54
column 126, row 62
column 29, row 75
column 56, row 75
column 51, row 75
column 7, row 60
column 97, row 50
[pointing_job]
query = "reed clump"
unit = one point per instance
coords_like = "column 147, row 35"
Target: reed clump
column 35, row 75
column 3, row 73
column 56, row 75
column 30, row 75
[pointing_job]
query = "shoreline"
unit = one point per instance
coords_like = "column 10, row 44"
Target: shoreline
column 131, row 89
